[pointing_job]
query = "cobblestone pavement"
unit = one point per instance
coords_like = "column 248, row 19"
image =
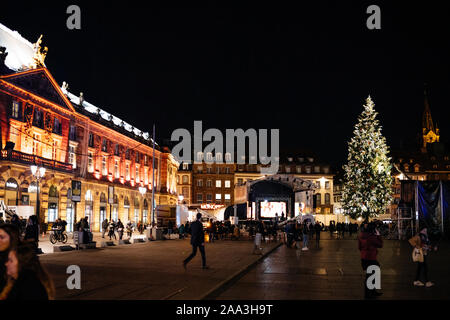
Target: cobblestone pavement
column 334, row 272
column 151, row 270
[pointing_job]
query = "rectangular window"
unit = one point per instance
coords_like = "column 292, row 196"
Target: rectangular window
column 55, row 150
column 185, row 166
column 104, row 172
column 127, row 154
column 199, row 169
column 137, row 157
column 90, row 162
column 199, row 198
column 227, row 170
column 227, row 196
column 327, row 184
column 116, row 169
column 218, row 196
column 209, row 198
column 116, row 149
column 199, row 183
column 299, row 169
column 36, row 144
column 208, row 170
column 316, row 169
column 91, row 139
column 37, row 118
column 227, row 184
column 56, row 126
column 186, row 193
column 72, row 156
column 145, row 160
column 218, row 183
column 127, row 171
column 73, row 133
column 185, row 179
column 208, row 183
column 105, row 145
column 15, row 110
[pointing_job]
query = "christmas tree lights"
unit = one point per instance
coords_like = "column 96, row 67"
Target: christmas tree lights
column 367, row 189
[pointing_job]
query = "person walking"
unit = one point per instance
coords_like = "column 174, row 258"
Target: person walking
column 306, row 231
column 369, row 240
column 197, row 242
column 129, row 229
column 211, row 230
column 422, row 246
column 120, row 228
column 104, row 227
column 317, row 229
column 111, row 231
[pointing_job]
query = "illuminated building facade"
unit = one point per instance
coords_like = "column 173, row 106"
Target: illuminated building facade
column 44, row 124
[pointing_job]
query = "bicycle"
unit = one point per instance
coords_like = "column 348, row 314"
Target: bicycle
column 58, row 236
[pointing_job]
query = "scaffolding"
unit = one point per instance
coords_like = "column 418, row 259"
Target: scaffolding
column 402, row 226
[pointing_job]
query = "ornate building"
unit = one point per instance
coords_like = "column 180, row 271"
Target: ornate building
column 46, row 125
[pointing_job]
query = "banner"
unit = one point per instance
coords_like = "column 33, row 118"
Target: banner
column 76, row 191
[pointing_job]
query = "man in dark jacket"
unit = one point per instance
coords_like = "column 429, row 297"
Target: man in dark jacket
column 369, row 241
column 197, row 241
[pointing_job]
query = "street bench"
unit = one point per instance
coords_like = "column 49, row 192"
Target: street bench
column 62, row 248
column 90, row 245
column 107, row 244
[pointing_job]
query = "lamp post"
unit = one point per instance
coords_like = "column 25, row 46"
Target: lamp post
column 39, row 173
column 142, row 191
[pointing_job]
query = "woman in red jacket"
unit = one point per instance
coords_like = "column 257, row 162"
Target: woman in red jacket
column 369, row 241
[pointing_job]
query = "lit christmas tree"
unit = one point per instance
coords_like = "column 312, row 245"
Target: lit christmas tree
column 367, row 189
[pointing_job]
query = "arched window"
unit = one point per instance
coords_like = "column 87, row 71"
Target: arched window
column 102, row 197
column 88, row 196
column 126, row 202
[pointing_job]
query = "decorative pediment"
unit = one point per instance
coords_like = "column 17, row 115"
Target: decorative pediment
column 40, row 83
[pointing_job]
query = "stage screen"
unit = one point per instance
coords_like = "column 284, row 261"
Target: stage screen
column 269, row 209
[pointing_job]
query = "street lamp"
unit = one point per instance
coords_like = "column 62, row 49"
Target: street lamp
column 39, row 173
column 142, row 191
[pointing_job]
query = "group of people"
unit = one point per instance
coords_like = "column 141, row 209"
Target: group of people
column 112, row 227
column 295, row 232
column 342, row 228
column 22, row 277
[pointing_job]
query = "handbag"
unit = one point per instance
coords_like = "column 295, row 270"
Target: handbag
column 417, row 255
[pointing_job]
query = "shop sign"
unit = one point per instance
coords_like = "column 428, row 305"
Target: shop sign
column 211, row 206
column 11, row 184
column 76, row 191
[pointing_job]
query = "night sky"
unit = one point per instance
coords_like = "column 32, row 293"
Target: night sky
column 305, row 69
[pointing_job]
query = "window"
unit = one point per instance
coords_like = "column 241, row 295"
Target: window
column 186, row 193
column 209, row 198
column 316, row 169
column 218, row 196
column 218, row 170
column 199, row 198
column 116, row 149
column 127, row 154
column 299, row 169
column 91, row 140
column 185, row 166
column 199, row 156
column 200, row 183
column 199, row 169
column 227, row 184
column 218, row 183
column 406, row 166
column 327, row 198
column 37, row 118
column 208, row 169
column 327, row 184
column 145, row 160
column 209, row 156
column 56, row 126
column 227, row 196
column 137, row 157
column 15, row 109
column 435, row 166
column 208, row 183
column 416, row 168
column 127, row 171
column 90, row 162
column 218, row 157
column 318, row 184
column 116, row 169
column 185, row 179
column 227, row 170
column 228, row 157
column 136, row 177
column 288, row 169
column 72, row 157
column 240, row 181
column 326, row 169
column 318, row 199
column 55, row 150
column 105, row 145
column 104, row 172
column 308, row 169
column 73, row 133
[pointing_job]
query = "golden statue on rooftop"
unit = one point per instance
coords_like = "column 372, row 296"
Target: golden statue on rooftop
column 39, row 54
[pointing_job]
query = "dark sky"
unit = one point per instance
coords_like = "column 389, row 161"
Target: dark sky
column 304, row 69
